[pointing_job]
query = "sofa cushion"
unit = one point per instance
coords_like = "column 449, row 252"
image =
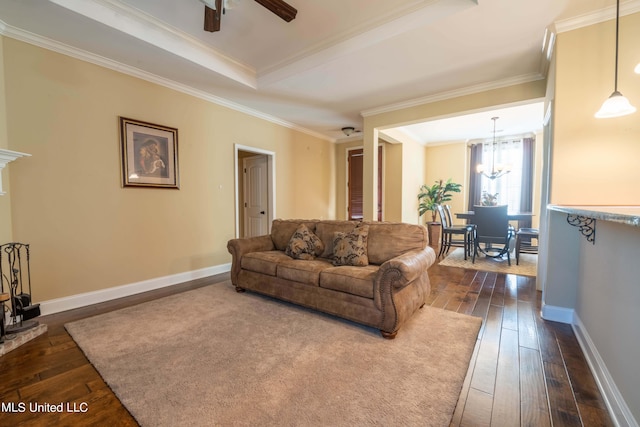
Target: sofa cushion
column 389, row 240
column 325, row 230
column 351, row 248
column 302, row 271
column 283, row 229
column 349, row 279
column 263, row 262
column 304, row 244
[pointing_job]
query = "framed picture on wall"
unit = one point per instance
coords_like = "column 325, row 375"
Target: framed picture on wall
column 149, row 154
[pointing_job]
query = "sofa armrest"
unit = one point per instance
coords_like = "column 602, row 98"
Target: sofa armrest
column 239, row 247
column 391, row 283
column 404, row 269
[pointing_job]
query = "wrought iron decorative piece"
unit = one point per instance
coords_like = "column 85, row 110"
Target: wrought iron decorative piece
column 15, row 277
column 586, row 225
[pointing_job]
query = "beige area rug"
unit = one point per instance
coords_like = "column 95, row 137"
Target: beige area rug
column 528, row 263
column 212, row 356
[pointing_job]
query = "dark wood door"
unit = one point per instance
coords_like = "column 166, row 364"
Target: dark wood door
column 355, row 186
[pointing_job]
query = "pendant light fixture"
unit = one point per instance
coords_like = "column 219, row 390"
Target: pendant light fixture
column 616, row 105
column 497, row 170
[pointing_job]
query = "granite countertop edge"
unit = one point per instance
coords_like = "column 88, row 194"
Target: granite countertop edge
column 629, row 215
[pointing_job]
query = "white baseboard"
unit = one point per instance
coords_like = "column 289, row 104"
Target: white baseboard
column 81, row 300
column 557, row 314
column 618, row 409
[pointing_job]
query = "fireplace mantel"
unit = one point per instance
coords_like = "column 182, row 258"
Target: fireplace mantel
column 7, row 156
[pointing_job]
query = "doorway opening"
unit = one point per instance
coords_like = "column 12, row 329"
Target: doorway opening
column 255, row 191
column 355, row 193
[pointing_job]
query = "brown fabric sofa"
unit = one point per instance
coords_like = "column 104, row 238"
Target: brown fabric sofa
column 383, row 294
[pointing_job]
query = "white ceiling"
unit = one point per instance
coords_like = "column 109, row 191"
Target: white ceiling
column 338, row 60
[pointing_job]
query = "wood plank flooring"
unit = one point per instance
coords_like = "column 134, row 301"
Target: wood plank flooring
column 524, row 371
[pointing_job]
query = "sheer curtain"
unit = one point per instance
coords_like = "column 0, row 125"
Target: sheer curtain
column 526, row 199
column 508, row 154
column 514, row 189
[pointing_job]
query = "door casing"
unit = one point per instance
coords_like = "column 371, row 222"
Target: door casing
column 271, row 186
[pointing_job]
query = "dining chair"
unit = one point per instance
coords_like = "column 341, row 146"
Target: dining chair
column 469, row 226
column 454, row 235
column 492, row 229
column 523, row 242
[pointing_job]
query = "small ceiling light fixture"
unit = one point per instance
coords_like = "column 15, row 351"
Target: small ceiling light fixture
column 348, row 130
column 616, row 105
column 637, row 69
column 496, row 170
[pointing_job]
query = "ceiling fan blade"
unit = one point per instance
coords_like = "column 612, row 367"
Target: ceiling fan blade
column 212, row 17
column 280, row 8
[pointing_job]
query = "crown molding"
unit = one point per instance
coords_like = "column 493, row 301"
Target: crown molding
column 6, row 157
column 64, row 49
column 442, row 96
column 597, row 16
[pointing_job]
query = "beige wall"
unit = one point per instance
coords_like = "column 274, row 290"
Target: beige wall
column 595, row 161
column 87, row 232
column 403, row 172
column 449, row 161
column 538, row 180
column 453, row 106
column 502, row 96
column 5, row 201
column 340, row 153
column 306, row 179
column 394, row 175
column 389, row 163
column 413, row 175
column 409, row 165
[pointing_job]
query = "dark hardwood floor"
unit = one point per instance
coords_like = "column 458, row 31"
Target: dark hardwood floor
column 524, row 370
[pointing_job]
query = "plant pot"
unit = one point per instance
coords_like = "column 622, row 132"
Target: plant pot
column 433, row 230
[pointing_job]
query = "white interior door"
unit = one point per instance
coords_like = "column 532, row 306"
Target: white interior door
column 256, row 200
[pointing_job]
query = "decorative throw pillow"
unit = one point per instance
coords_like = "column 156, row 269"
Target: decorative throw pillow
column 304, row 244
column 351, row 248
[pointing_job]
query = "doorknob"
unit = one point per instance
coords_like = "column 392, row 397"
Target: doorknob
column 261, row 212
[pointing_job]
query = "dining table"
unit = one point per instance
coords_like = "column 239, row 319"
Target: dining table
column 513, row 216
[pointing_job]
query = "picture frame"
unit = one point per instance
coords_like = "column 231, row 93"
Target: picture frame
column 149, row 154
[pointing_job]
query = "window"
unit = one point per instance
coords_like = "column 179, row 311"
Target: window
column 508, row 154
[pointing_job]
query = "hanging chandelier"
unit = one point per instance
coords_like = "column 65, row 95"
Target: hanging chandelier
column 497, row 170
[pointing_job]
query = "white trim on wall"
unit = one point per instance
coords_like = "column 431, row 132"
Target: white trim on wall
column 88, row 298
column 597, row 16
column 557, row 314
column 346, row 178
column 618, row 409
column 271, row 186
column 73, row 52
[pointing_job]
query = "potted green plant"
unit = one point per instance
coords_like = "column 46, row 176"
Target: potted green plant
column 430, row 197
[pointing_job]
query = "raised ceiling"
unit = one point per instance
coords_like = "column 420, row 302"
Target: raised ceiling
column 338, row 60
